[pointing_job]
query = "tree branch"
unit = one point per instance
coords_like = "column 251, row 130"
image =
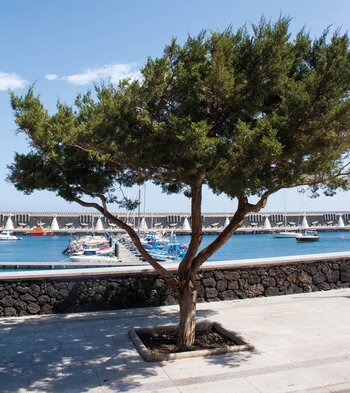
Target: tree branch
column 136, row 240
column 103, row 201
column 251, row 208
column 244, row 207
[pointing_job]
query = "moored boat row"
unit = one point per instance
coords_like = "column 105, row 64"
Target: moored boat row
column 163, row 248
column 106, row 249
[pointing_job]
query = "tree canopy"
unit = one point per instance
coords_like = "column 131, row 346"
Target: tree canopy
column 246, row 112
column 249, row 112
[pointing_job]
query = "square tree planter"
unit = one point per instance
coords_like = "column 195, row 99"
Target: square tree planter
column 238, row 344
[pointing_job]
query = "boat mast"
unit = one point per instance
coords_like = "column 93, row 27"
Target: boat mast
column 285, row 209
column 138, row 212
column 144, row 201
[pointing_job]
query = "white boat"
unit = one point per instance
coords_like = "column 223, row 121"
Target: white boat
column 7, row 235
column 286, row 234
column 94, row 254
column 102, row 244
column 89, row 256
column 308, row 236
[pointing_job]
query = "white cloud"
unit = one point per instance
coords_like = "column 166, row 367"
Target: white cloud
column 11, row 81
column 110, row 72
column 51, row 77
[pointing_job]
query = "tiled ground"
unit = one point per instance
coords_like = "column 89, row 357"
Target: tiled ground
column 302, row 345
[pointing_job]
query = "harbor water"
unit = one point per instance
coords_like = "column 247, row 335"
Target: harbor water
column 50, row 249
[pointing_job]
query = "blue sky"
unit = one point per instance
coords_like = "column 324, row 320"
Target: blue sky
column 65, row 46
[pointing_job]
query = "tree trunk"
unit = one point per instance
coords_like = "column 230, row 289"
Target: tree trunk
column 187, row 327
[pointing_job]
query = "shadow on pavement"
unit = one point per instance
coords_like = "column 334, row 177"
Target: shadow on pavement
column 76, row 353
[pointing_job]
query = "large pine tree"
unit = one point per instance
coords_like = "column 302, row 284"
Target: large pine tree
column 246, row 113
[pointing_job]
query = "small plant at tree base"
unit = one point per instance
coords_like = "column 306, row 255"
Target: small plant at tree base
column 245, row 113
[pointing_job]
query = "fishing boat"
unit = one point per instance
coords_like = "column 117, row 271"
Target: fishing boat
column 164, row 248
column 7, row 235
column 153, row 240
column 39, row 231
column 308, row 236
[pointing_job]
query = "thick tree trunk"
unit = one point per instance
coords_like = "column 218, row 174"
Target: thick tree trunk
column 187, row 326
column 184, row 285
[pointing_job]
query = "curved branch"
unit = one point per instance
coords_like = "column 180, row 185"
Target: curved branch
column 255, row 208
column 244, row 207
column 103, row 201
column 135, row 239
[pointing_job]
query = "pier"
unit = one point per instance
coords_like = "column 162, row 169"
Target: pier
column 127, row 258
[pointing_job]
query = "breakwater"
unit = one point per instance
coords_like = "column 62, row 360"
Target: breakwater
column 68, row 223
column 31, row 293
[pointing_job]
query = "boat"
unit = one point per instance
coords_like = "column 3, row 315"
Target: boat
column 7, row 235
column 92, row 255
column 153, row 240
column 94, row 249
column 39, row 231
column 103, row 245
column 165, row 248
column 162, row 257
column 286, row 234
column 308, row 236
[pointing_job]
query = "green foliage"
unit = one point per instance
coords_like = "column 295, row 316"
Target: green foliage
column 249, row 112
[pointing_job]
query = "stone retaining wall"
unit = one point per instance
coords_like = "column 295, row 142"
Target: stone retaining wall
column 64, row 295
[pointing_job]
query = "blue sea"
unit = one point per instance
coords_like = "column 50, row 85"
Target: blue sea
column 50, row 249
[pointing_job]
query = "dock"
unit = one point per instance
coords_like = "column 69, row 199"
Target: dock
column 127, row 258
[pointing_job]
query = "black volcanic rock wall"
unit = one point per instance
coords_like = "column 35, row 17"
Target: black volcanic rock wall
column 49, row 296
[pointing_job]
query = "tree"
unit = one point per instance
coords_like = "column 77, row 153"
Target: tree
column 246, row 113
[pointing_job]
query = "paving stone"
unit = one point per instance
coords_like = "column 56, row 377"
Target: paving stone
column 236, row 385
column 339, row 388
column 302, row 341
column 125, row 380
column 65, row 384
column 284, row 381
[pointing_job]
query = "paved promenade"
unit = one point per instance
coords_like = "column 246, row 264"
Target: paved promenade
column 302, row 345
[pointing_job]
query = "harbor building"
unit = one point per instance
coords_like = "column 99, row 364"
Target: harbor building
column 72, row 222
